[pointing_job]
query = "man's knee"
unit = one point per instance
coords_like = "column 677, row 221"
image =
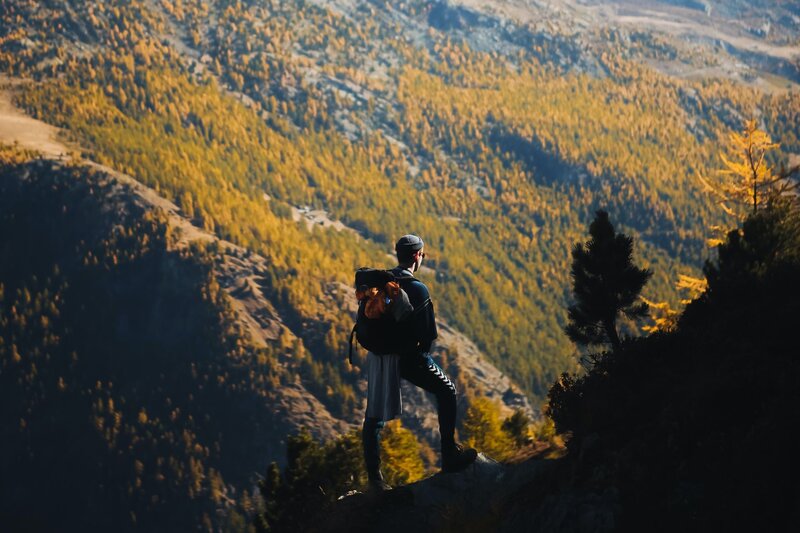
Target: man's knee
column 446, row 386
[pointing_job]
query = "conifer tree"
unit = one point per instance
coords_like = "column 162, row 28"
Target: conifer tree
column 482, row 429
column 518, row 427
column 400, row 455
column 605, row 283
column 748, row 182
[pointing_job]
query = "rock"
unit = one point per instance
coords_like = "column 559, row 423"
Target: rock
column 444, row 489
column 472, row 499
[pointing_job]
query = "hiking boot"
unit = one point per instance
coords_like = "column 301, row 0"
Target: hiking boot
column 457, row 458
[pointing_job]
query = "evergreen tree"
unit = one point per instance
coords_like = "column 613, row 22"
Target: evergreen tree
column 400, row 455
column 482, row 429
column 316, row 474
column 605, row 283
column 518, row 427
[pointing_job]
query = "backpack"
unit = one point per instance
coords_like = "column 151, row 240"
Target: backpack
column 382, row 306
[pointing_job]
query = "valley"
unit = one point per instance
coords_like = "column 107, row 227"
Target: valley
column 284, row 144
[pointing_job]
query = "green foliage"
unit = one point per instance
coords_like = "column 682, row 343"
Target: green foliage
column 605, row 283
column 121, row 362
column 315, row 476
column 401, row 462
column 482, row 429
column 545, row 431
column 564, row 403
column 518, row 427
column 764, row 244
column 705, row 405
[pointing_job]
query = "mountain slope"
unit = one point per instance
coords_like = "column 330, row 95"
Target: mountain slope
column 492, row 137
column 148, row 346
column 686, row 430
column 120, row 364
column 494, row 134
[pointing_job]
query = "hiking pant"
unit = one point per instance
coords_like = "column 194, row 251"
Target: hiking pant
column 427, row 375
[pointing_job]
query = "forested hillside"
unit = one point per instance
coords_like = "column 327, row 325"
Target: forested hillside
column 241, row 112
column 122, row 362
column 495, row 138
column 683, row 430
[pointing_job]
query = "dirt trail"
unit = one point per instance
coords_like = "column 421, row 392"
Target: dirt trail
column 658, row 21
column 27, row 132
column 658, row 17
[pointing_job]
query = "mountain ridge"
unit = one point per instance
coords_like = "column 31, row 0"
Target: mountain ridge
column 348, row 90
column 239, row 275
column 249, row 124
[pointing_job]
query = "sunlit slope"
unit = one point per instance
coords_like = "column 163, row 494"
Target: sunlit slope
column 391, row 123
column 219, row 163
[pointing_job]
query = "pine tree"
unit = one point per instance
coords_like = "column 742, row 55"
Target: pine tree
column 400, row 455
column 605, row 283
column 482, row 429
column 518, row 427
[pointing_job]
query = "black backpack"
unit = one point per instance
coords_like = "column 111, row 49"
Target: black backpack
column 381, row 333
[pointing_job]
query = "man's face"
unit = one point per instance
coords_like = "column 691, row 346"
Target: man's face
column 418, row 257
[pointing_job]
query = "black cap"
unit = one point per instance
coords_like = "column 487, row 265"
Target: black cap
column 408, row 244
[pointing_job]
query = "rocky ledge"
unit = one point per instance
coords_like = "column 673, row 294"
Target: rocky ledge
column 487, row 496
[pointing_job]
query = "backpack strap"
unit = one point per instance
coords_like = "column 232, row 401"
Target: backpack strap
column 427, row 303
column 350, row 354
column 408, row 278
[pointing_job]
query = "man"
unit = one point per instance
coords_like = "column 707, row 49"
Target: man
column 414, row 364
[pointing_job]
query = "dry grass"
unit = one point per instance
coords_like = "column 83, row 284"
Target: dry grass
column 16, row 128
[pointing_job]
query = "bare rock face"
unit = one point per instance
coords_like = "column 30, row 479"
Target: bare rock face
column 464, row 488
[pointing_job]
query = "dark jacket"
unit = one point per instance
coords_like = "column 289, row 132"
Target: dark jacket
column 419, row 331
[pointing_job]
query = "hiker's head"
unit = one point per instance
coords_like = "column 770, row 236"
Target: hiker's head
column 410, row 252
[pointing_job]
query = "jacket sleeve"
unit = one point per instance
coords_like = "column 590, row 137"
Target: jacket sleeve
column 421, row 326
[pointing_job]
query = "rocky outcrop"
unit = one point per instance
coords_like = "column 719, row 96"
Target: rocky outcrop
column 487, row 496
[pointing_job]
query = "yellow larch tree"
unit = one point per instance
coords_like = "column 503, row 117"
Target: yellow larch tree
column 747, row 180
